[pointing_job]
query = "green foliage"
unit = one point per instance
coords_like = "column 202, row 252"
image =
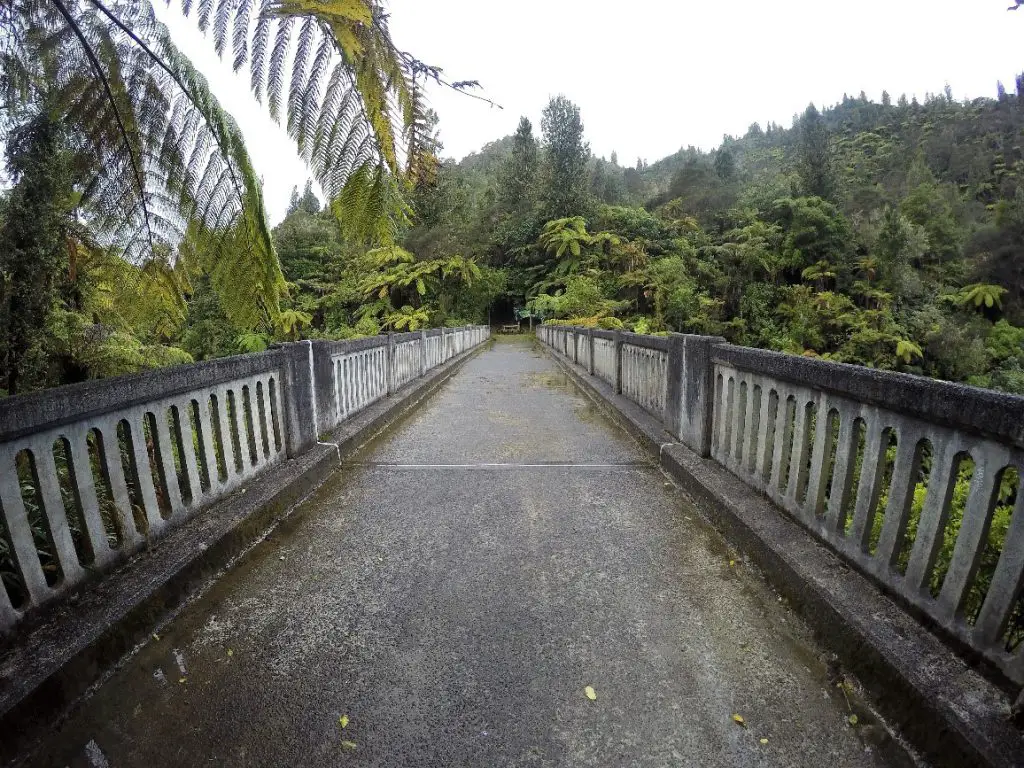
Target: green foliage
column 156, row 158
column 564, row 189
column 981, row 296
column 887, row 235
column 815, row 158
column 518, row 177
column 37, row 222
column 583, row 296
column 121, row 157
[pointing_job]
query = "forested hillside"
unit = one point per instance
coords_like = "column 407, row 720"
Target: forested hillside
column 888, row 234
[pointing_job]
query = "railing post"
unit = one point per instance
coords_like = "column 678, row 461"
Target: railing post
column 299, row 397
column 391, row 363
column 674, row 390
column 590, row 356
column 689, row 402
column 423, row 353
column 324, row 392
column 576, row 344
column 618, row 362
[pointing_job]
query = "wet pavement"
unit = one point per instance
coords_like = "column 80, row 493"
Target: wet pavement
column 447, row 599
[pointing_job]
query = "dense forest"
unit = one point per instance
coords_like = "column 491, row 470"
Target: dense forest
column 887, row 234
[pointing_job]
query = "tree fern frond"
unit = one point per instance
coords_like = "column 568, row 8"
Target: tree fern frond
column 260, row 37
column 94, row 62
column 222, row 20
column 296, row 86
column 206, row 7
column 240, row 36
column 306, row 124
column 157, row 157
column 278, row 59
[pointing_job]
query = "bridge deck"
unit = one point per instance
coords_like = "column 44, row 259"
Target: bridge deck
column 455, row 592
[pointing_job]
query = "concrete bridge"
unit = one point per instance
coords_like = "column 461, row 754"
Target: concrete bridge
column 600, row 549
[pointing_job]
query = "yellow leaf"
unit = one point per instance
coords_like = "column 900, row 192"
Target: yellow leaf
column 349, row 9
column 852, row 719
column 764, row 741
column 348, row 745
column 343, row 721
column 181, row 679
column 350, row 44
column 732, row 563
column 156, row 636
column 230, row 652
column 591, row 693
column 738, row 719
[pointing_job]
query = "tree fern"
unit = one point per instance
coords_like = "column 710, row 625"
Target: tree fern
column 164, row 169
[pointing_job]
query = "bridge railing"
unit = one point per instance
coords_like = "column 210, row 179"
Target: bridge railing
column 90, row 473
column 916, row 482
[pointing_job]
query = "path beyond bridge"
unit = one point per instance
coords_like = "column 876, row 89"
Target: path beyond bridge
column 448, row 596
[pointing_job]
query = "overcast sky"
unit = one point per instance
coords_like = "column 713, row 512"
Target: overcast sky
column 651, row 76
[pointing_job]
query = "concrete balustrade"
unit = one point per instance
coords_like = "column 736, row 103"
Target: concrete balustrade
column 903, row 476
column 644, row 371
column 91, row 473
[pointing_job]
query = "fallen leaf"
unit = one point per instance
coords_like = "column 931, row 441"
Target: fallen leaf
column 738, row 719
column 156, row 636
column 343, row 721
column 764, row 741
column 591, row 693
column 230, row 652
column 281, row 557
column 732, row 563
column 181, row 679
column 348, row 745
column 853, row 719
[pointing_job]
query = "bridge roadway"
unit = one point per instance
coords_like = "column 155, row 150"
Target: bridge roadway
column 454, row 592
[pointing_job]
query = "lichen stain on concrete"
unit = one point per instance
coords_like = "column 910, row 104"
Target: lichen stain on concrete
column 552, row 379
column 504, row 419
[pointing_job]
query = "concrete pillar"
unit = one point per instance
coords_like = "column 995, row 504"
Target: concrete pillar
column 576, row 345
column 674, row 391
column 618, row 362
column 689, row 402
column 423, row 353
column 590, row 344
column 324, row 392
column 300, row 408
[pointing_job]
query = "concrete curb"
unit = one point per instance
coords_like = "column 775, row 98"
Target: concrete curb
column 47, row 669
column 943, row 706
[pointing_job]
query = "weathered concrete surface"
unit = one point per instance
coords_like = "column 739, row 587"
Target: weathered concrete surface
column 455, row 614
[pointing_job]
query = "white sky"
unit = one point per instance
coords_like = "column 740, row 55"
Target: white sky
column 651, row 76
